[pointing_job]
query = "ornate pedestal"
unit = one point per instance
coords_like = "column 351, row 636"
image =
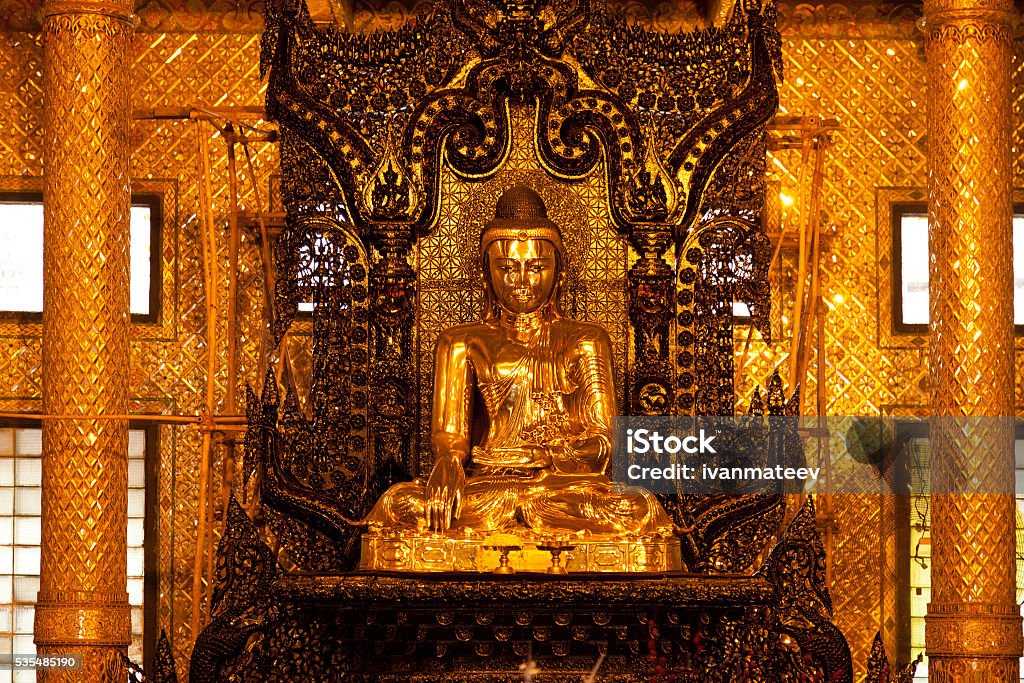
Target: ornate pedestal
column 389, row 627
column 445, row 554
column 772, row 627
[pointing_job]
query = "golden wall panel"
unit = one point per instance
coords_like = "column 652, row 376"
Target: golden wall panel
column 176, row 69
column 875, row 88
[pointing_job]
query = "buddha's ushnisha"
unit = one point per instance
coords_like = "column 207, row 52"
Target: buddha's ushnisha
column 523, row 402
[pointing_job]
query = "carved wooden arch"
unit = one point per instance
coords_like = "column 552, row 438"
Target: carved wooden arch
column 382, row 111
column 675, row 122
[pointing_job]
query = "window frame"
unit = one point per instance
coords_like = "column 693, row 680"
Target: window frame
column 906, row 429
column 150, row 524
column 899, row 209
column 154, row 202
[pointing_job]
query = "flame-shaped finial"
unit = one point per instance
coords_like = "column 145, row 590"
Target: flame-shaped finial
column 390, row 195
column 650, row 195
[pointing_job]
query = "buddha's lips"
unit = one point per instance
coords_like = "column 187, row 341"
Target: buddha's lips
column 522, row 295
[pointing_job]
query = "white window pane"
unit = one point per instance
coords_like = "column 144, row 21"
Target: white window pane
column 26, row 589
column 23, row 616
column 135, row 650
column 141, row 226
column 136, row 588
column 20, row 527
column 740, row 309
column 914, row 268
column 27, row 500
column 6, row 441
column 26, row 560
column 135, row 562
column 25, row 675
column 136, row 503
column 136, row 443
column 26, row 530
column 21, row 259
column 23, row 645
column 29, row 472
column 136, row 532
column 136, row 621
column 29, row 441
column 136, row 474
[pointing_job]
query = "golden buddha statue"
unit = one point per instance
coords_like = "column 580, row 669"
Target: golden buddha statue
column 521, row 424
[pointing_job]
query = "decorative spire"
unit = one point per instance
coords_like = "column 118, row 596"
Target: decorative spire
column 650, row 195
column 390, row 195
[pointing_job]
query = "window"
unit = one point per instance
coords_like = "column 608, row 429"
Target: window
column 915, row 577
column 320, row 264
column 910, row 272
column 21, row 261
column 20, row 501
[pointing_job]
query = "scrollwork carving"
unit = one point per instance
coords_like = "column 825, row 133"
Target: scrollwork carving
column 796, row 568
column 242, row 603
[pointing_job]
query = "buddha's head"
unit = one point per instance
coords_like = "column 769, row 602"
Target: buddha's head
column 523, row 256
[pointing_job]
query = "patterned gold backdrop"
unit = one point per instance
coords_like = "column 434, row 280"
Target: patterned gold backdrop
column 863, row 66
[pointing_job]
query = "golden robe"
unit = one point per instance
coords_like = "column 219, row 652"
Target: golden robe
column 548, row 399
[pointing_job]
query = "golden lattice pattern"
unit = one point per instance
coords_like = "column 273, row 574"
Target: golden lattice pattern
column 876, row 89
column 973, row 617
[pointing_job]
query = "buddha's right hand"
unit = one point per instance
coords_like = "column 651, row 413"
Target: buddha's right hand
column 444, row 492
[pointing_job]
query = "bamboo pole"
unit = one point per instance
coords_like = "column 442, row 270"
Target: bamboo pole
column 221, row 422
column 231, row 400
column 814, row 265
column 209, row 275
column 269, row 271
column 213, row 303
column 798, row 302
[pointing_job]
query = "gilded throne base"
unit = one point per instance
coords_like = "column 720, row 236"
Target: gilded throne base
column 448, row 553
column 386, row 627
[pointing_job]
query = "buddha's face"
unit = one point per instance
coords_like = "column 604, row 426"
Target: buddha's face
column 522, row 273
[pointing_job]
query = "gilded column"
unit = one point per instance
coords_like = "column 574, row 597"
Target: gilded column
column 973, row 627
column 83, row 602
